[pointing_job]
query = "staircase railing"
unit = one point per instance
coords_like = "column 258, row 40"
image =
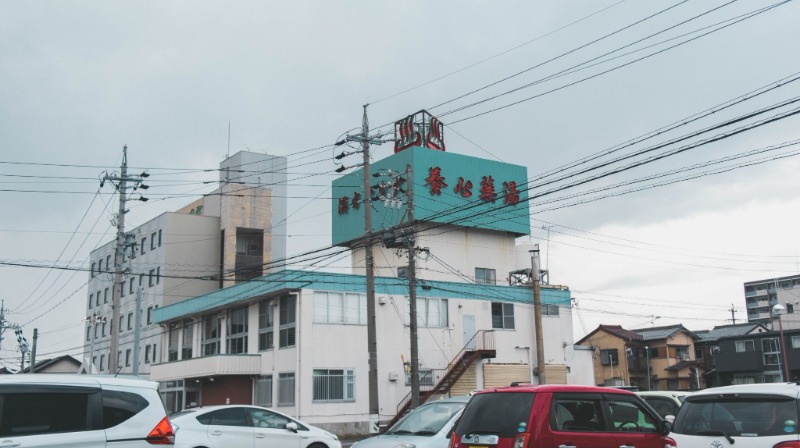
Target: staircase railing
column 482, row 342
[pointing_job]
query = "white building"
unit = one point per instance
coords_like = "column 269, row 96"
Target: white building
column 297, row 340
column 762, row 295
column 228, row 236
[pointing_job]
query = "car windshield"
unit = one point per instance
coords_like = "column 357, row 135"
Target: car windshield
column 426, row 420
column 738, row 415
column 500, row 414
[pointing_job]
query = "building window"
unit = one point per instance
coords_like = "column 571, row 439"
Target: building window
column 425, row 377
column 127, row 358
column 93, row 266
column 264, row 391
column 130, row 321
column 151, row 278
column 104, row 327
column 682, row 352
column 340, row 308
column 745, row 346
column 550, row 310
column 431, row 312
column 172, row 343
column 108, row 262
column 121, row 323
column 100, row 266
column 132, row 285
column 105, row 296
column 503, row 315
column 91, row 300
column 286, row 389
column 236, row 342
column 149, row 315
column 122, row 289
column 119, row 359
column 141, row 279
column 770, row 350
column 144, row 244
column 287, row 325
column 159, row 237
column 789, row 308
column 334, row 385
column 89, row 333
column 188, row 336
column 210, row 335
column 96, row 329
column 102, row 362
column 158, row 275
column 609, row 357
column 153, row 241
column 795, row 341
column 155, row 353
column 266, row 317
column 485, row 276
column 147, row 354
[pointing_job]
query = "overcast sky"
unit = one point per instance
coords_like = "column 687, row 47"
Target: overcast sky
column 547, row 84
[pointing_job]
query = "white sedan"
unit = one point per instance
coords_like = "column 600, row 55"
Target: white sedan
column 241, row 426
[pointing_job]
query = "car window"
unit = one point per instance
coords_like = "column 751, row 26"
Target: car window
column 574, row 412
column 663, row 405
column 629, row 415
column 501, row 414
column 426, row 420
column 738, row 415
column 263, row 418
column 43, row 413
column 120, row 406
column 224, row 417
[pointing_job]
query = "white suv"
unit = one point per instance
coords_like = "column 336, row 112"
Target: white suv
column 86, row 411
column 748, row 415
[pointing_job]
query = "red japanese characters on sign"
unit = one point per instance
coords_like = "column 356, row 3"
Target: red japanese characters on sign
column 435, row 180
column 407, row 135
column 463, row 188
column 419, row 129
column 510, row 193
column 487, row 189
column 356, row 199
column 344, row 205
column 434, row 136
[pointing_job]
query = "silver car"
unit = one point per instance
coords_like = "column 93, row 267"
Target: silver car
column 427, row 426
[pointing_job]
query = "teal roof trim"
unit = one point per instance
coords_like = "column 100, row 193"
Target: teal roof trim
column 325, row 281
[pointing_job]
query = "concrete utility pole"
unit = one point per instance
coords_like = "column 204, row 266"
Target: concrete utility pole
column 121, row 184
column 537, row 313
column 412, row 291
column 33, row 352
column 137, row 332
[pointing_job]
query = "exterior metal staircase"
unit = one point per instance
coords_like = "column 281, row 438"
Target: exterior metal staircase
column 440, row 381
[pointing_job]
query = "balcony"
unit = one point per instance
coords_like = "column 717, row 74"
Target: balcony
column 207, row 366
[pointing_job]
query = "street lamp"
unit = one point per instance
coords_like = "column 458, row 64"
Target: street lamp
column 778, row 310
column 647, row 356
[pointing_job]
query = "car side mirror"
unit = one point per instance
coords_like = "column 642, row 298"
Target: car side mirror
column 291, row 426
column 666, row 427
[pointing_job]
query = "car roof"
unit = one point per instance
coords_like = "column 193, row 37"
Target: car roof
column 76, row 380
column 456, row 399
column 788, row 389
column 664, row 393
column 556, row 388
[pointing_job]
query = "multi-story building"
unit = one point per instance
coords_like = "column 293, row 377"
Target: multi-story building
column 297, row 340
column 706, row 349
column 230, row 235
column 762, row 295
column 759, row 357
column 656, row 358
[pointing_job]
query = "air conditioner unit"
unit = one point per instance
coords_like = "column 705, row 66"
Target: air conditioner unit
column 684, row 357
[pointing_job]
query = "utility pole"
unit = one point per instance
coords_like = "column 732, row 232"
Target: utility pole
column 137, row 332
column 369, row 264
column 647, row 355
column 33, row 352
column 733, row 314
column 121, row 184
column 412, row 291
column 537, row 313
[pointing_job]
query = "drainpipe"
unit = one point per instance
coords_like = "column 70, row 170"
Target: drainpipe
column 297, row 376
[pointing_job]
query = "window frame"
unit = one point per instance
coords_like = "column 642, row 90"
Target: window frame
column 208, row 338
column 286, row 382
column 503, row 315
column 324, row 381
column 485, row 276
column 266, row 325
column 238, row 340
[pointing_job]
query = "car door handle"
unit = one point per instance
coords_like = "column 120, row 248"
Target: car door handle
column 567, row 446
column 627, row 446
column 9, row 444
column 261, row 435
column 216, row 433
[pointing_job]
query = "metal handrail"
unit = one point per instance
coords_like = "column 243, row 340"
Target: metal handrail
column 481, row 340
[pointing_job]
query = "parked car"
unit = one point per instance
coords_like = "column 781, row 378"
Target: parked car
column 749, row 415
column 559, row 415
column 665, row 402
column 81, row 411
column 427, row 426
column 230, row 426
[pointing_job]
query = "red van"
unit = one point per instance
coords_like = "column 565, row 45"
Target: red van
column 553, row 416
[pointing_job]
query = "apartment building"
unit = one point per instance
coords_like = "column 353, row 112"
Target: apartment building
column 761, row 296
